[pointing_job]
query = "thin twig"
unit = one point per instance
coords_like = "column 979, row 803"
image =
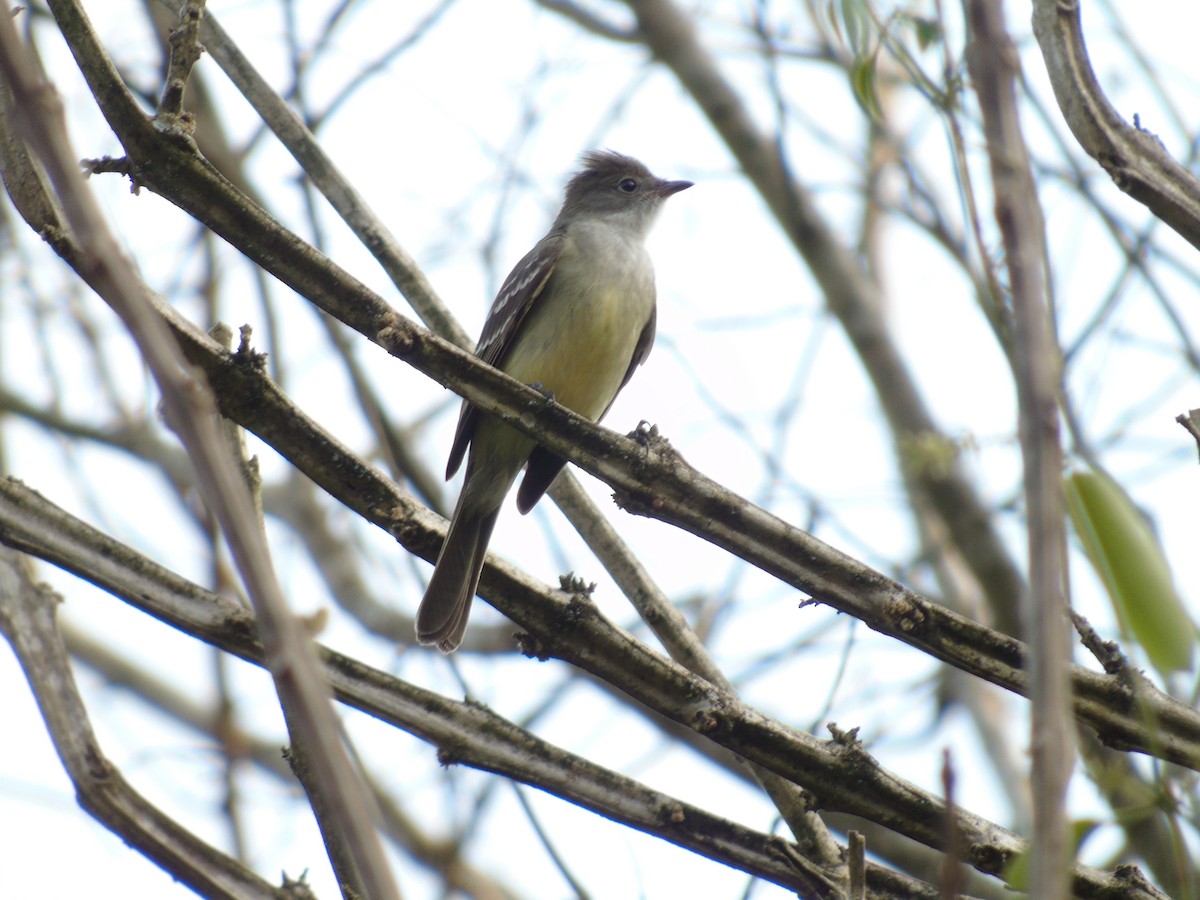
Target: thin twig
column 992, row 61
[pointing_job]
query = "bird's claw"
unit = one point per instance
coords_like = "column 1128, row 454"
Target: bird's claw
column 543, row 390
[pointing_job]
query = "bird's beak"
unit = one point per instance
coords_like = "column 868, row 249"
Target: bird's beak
column 667, row 188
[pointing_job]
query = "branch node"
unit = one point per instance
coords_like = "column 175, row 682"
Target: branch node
column 246, row 355
column 105, row 164
column 186, row 49
column 1191, row 424
column 1107, row 653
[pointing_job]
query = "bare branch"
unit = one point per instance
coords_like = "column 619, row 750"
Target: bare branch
column 463, row 732
column 1135, row 158
column 839, row 773
column 27, row 618
column 992, row 60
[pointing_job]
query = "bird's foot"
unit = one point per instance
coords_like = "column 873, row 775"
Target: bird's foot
column 543, row 390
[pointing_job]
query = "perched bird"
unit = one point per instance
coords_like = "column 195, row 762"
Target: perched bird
column 574, row 318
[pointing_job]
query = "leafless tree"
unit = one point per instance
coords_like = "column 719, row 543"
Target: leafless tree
column 881, row 181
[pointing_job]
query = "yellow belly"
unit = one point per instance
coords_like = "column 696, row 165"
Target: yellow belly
column 581, row 336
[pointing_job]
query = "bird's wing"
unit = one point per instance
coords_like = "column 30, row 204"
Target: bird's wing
column 640, row 352
column 517, row 296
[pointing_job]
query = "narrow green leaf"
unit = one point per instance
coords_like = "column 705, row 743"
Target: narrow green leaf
column 835, row 20
column 1016, row 873
column 862, row 80
column 1127, row 556
column 856, row 18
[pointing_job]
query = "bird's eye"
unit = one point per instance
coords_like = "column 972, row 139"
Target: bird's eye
column 628, row 186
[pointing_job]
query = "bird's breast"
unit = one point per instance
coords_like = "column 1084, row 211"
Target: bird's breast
column 580, row 337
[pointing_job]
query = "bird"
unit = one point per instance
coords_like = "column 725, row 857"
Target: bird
column 574, row 318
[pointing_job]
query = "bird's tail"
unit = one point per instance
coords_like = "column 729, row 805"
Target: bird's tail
column 442, row 616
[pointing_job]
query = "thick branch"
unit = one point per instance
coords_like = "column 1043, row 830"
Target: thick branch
column 1136, row 159
column 839, row 773
column 466, row 732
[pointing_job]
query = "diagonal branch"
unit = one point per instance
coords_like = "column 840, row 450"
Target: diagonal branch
column 850, row 294
column 464, row 732
column 651, row 603
column 838, row 774
column 1134, row 158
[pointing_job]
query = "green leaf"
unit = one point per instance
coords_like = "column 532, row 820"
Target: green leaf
column 1016, row 873
column 862, row 80
column 858, row 24
column 1127, row 556
column 927, row 31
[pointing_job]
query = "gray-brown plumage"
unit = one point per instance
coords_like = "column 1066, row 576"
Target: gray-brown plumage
column 575, row 316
